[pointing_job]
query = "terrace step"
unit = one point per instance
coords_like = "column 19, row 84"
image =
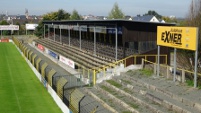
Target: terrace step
column 169, row 99
column 107, row 100
column 141, row 106
column 105, row 105
column 150, row 105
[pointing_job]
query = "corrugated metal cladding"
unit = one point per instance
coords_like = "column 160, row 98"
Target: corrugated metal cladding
column 136, row 35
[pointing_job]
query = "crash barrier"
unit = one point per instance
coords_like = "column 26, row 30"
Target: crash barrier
column 49, row 75
column 167, row 71
column 59, row 86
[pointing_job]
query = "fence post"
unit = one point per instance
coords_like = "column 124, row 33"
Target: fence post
column 135, row 60
column 142, row 63
column 168, row 72
column 88, row 76
column 104, row 71
column 155, row 68
column 94, row 77
column 125, row 63
column 183, row 76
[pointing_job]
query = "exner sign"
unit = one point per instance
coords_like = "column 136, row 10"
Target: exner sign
column 177, row 37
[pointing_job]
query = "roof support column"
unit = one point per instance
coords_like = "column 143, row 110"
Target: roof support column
column 60, row 34
column 54, row 32
column 44, row 31
column 68, row 35
column 94, row 40
column 48, row 32
column 116, row 43
column 80, row 38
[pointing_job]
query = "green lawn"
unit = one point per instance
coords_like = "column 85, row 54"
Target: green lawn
column 20, row 90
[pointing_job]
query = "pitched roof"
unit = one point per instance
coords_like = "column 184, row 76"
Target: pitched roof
column 145, row 18
column 24, row 21
column 21, row 17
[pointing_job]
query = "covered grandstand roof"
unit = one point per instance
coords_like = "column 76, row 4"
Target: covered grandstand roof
column 135, row 35
column 104, row 22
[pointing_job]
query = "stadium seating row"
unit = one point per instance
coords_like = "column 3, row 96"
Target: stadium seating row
column 101, row 49
column 83, row 58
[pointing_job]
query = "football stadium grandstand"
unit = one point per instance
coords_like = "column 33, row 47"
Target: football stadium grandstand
column 101, row 61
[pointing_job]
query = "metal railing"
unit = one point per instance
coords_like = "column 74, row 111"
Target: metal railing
column 92, row 74
column 166, row 71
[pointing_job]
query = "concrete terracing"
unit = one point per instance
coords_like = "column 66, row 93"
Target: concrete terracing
column 148, row 94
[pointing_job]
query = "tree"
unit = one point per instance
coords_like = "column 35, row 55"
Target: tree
column 5, row 32
column 116, row 13
column 51, row 16
column 60, row 14
column 169, row 20
column 16, row 32
column 192, row 20
column 57, row 15
column 75, row 15
column 39, row 30
column 154, row 13
column 63, row 15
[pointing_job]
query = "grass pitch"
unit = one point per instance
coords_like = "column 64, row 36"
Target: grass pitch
column 20, row 90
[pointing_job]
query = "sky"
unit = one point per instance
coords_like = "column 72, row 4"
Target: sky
column 178, row 8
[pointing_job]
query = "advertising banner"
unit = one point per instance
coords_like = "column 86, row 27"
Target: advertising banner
column 63, row 26
column 44, row 82
column 177, row 37
column 41, row 47
column 9, row 27
column 54, row 55
column 67, row 61
column 75, row 28
column 111, row 30
column 46, row 50
column 31, row 26
column 33, row 43
column 83, row 28
column 99, row 29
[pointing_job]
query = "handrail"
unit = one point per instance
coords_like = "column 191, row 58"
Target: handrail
column 104, row 67
column 134, row 56
column 172, row 66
